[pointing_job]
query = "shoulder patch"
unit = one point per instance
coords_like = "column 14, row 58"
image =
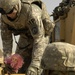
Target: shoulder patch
column 34, row 30
column 33, row 27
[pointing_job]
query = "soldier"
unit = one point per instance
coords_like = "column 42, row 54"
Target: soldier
column 30, row 20
column 59, row 58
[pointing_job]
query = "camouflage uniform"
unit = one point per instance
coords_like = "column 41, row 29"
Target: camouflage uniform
column 59, row 58
column 34, row 26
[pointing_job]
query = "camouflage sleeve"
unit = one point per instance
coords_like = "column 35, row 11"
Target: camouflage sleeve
column 38, row 34
column 6, row 36
column 48, row 24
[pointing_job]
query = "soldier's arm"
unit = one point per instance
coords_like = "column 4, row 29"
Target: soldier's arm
column 38, row 33
column 6, row 36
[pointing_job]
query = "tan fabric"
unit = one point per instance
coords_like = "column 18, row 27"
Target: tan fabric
column 59, row 56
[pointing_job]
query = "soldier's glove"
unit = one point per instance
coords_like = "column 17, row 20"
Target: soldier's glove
column 34, row 71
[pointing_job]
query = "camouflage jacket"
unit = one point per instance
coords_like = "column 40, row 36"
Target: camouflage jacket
column 31, row 18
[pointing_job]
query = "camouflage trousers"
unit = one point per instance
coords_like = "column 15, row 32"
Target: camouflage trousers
column 25, row 52
column 52, row 72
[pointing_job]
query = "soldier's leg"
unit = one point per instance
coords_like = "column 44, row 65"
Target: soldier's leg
column 24, row 52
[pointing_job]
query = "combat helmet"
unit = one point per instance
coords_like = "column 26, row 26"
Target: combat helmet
column 8, row 5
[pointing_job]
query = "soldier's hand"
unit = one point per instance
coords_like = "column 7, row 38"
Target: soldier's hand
column 34, row 71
